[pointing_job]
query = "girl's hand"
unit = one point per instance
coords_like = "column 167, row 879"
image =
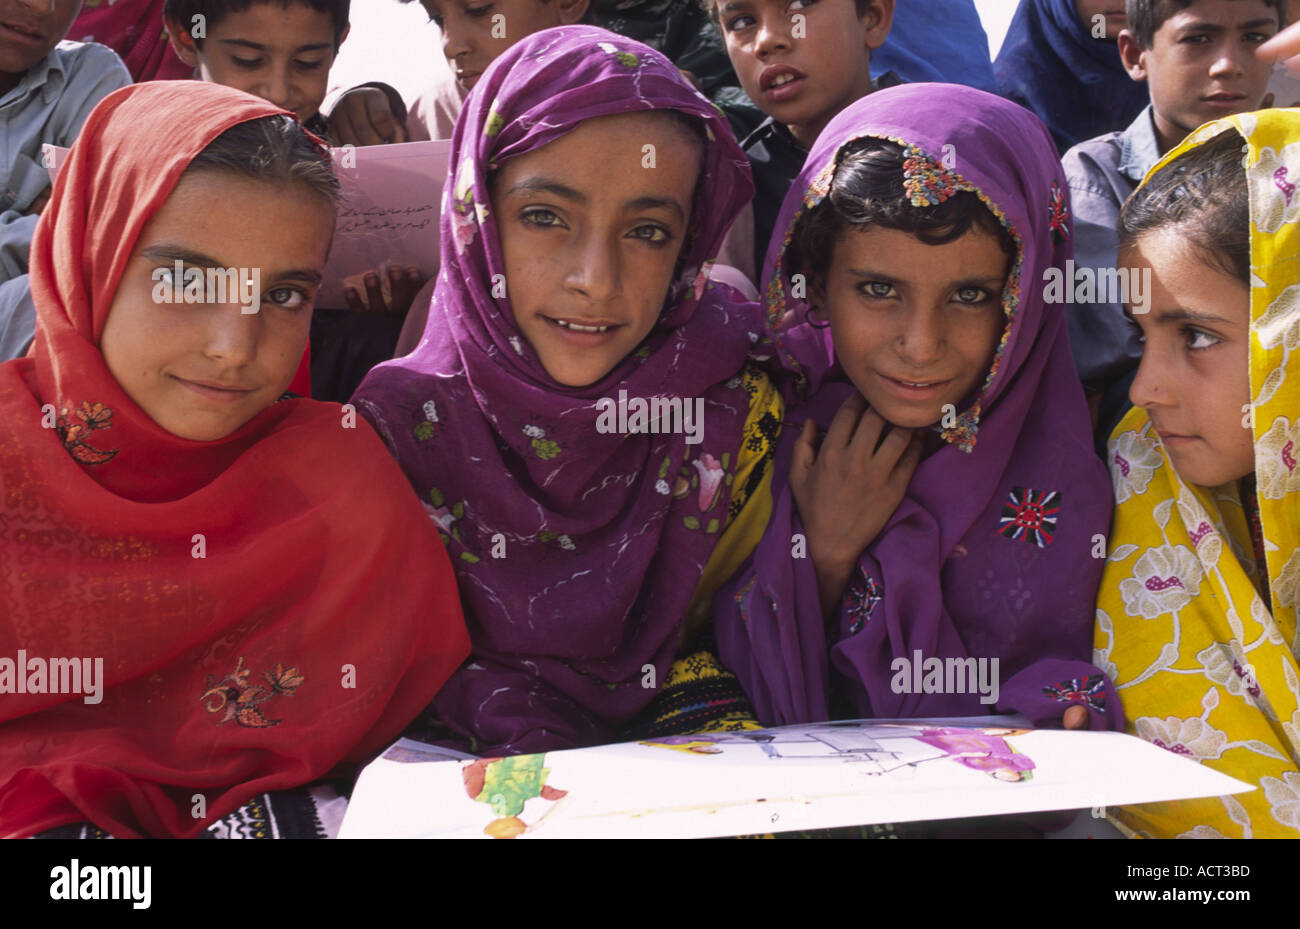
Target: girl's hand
column 1076, row 717
column 404, row 284
column 847, row 488
column 363, row 116
column 1285, row 46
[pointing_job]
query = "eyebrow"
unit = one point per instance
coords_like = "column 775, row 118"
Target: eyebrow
column 257, row 47
column 1179, row 315
column 732, row 6
column 1216, row 28
column 174, row 253
column 546, row 185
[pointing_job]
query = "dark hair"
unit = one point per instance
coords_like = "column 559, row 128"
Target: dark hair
column 868, row 189
column 274, row 149
column 182, row 12
column 711, row 7
column 1145, row 17
column 1203, row 194
column 588, row 17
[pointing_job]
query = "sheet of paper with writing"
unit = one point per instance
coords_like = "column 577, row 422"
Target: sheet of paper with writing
column 815, row 776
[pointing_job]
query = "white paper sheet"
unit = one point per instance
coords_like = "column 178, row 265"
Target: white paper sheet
column 794, row 777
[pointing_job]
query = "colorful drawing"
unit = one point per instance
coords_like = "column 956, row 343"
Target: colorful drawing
column 506, row 784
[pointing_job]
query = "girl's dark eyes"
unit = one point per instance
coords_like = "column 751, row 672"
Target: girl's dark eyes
column 657, row 235
column 972, row 295
column 1198, row 339
column 540, row 217
column 478, row 11
column 877, row 289
column 252, row 64
column 290, row 298
column 248, row 62
column 739, row 22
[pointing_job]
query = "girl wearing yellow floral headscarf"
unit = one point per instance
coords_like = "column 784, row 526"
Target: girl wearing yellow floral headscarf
column 1196, row 617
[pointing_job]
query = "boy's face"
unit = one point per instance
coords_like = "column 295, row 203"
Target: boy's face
column 202, row 370
column 1112, row 10
column 914, row 325
column 590, row 238
column 802, row 61
column 281, row 54
column 475, row 32
column 1202, row 63
column 1194, row 380
column 29, row 29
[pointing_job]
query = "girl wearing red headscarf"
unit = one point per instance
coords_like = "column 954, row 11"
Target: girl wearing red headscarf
column 205, row 594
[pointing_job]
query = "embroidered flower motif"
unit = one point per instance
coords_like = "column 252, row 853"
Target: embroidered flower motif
column 711, row 475
column 1280, row 323
column 1031, row 515
column 1192, row 737
column 1202, row 832
column 1286, row 586
column 443, row 517
column 544, row 448
column 428, row 428
column 1133, row 460
column 73, row 434
column 235, row 698
column 1276, row 455
column 1228, row 666
column 495, row 122
column 1090, row 691
column 1164, row 580
column 926, row 182
column 661, row 487
column 1283, row 797
column 1272, row 182
column 861, row 600
column 1060, row 213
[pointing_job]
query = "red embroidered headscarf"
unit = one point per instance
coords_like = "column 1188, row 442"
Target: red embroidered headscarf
column 247, row 596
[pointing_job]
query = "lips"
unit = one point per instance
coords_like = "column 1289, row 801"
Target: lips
column 585, row 332
column 467, row 78
column 917, row 389
column 1224, row 99
column 24, row 32
column 779, row 82
column 215, row 390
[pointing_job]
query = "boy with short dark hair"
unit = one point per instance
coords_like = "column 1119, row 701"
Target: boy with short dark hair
column 1198, row 60
column 801, row 69
column 282, row 51
column 47, row 89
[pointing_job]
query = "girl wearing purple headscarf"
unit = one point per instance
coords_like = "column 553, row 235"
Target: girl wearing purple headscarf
column 579, row 417
column 937, row 553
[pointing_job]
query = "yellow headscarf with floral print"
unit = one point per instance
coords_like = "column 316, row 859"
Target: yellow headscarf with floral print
column 1204, row 667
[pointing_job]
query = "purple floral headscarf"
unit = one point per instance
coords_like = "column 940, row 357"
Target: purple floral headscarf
column 991, row 552
column 603, row 536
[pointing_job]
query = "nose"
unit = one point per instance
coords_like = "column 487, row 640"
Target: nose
column 38, row 6
column 233, row 336
column 773, row 34
column 596, row 273
column 455, row 41
column 1230, row 60
column 923, row 339
column 277, row 87
column 1146, row 390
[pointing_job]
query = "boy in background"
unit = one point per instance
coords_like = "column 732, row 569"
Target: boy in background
column 47, row 89
column 282, row 51
column 801, row 69
column 1199, row 63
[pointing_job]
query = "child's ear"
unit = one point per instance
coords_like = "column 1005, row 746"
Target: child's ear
column 1130, row 53
column 817, row 299
column 343, row 36
column 182, row 42
column 876, row 21
column 572, row 11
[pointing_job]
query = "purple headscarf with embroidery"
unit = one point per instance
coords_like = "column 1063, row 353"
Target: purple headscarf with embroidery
column 601, row 555
column 990, row 553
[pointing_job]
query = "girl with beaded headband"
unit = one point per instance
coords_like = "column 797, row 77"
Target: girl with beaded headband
column 951, row 510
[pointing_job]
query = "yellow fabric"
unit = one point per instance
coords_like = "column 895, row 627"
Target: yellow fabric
column 750, row 507
column 1202, row 665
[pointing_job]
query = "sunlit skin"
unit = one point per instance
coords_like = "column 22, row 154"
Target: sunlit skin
column 1112, row 10
column 830, row 63
column 1203, row 64
column 279, row 53
column 591, row 238
column 28, row 30
column 1194, row 379
column 468, row 27
column 915, row 327
column 906, row 313
column 201, row 370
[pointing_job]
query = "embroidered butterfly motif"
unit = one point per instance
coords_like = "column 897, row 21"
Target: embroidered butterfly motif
column 1060, row 213
column 239, row 699
column 1090, row 690
column 1030, row 515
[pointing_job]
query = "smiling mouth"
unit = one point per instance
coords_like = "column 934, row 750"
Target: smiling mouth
column 580, row 327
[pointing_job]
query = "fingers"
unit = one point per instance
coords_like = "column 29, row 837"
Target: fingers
column 845, row 422
column 381, row 119
column 351, row 122
column 1283, row 45
column 805, row 453
column 1076, row 717
column 354, row 300
column 374, row 293
column 1268, row 102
